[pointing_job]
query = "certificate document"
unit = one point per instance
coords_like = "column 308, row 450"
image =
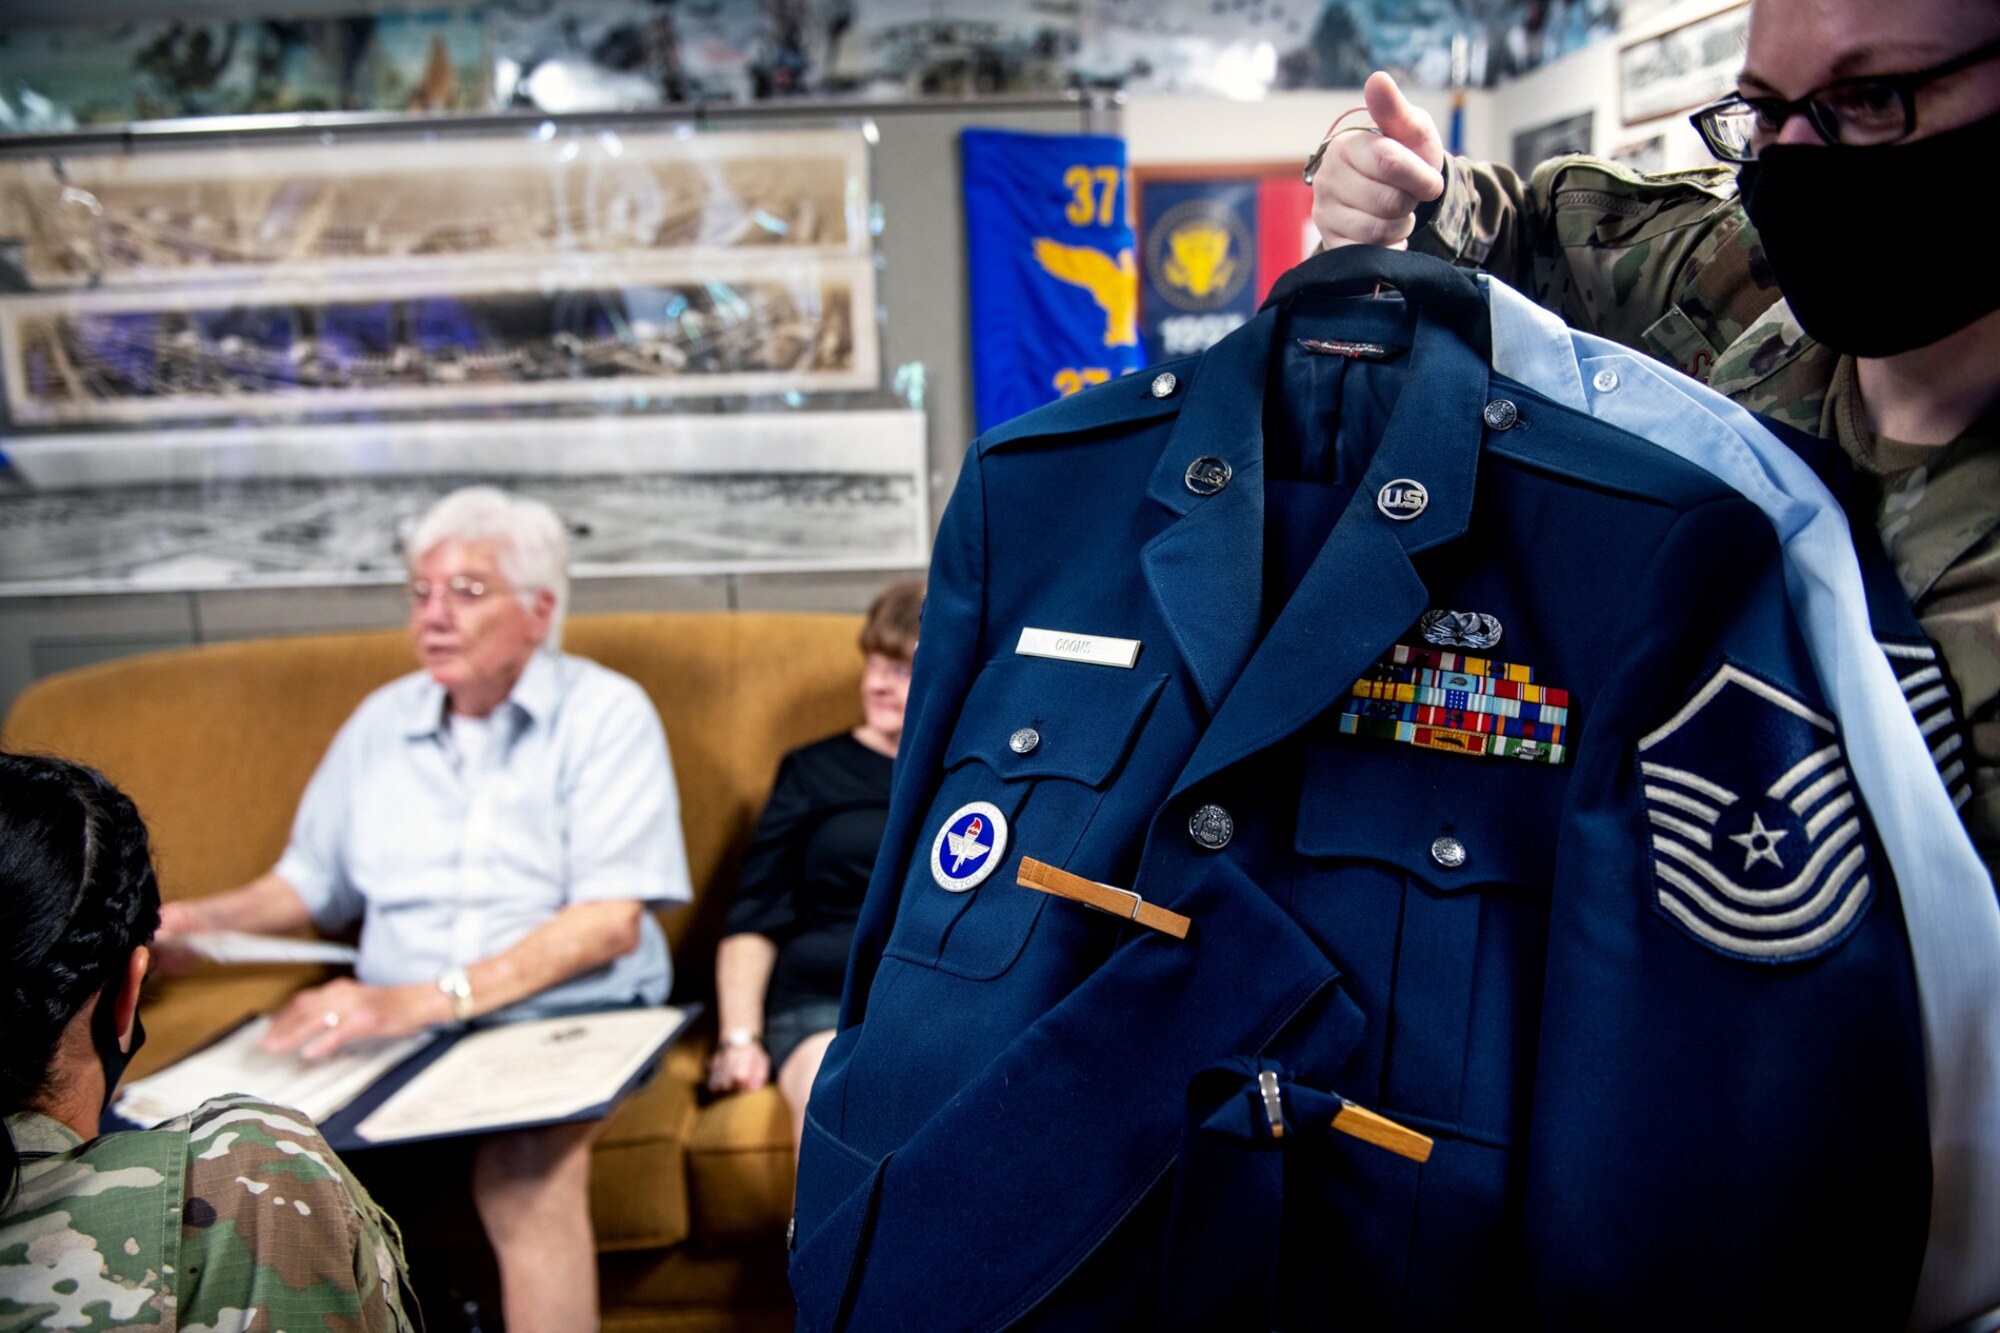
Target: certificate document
column 238, row 1064
column 525, row 1074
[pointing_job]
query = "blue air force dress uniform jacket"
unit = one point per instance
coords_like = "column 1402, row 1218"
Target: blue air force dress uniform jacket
column 1457, row 775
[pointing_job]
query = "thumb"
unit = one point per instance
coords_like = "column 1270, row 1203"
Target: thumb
column 1408, row 125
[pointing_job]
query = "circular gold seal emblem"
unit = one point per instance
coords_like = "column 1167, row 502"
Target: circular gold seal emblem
column 1199, row 254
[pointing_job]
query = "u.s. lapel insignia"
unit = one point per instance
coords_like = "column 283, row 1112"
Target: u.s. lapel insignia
column 1459, row 629
column 969, row 847
column 1757, row 844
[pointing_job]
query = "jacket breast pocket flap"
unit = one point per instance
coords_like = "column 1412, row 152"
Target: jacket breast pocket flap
column 1452, row 821
column 1038, row 741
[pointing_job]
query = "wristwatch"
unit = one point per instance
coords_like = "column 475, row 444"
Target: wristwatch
column 456, row 985
column 740, row 1037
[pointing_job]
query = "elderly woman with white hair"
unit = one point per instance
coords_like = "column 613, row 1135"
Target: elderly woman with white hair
column 498, row 823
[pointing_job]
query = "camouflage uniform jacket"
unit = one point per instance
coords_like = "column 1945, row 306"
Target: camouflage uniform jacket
column 1670, row 265
column 234, row 1217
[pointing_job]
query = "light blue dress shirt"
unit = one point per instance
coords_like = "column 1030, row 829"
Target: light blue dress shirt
column 1949, row 908
column 446, row 862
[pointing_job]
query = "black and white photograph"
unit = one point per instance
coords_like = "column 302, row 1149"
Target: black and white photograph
column 1571, row 134
column 1683, row 67
column 270, row 507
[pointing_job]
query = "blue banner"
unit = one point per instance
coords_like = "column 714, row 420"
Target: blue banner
column 1055, row 287
column 1201, row 262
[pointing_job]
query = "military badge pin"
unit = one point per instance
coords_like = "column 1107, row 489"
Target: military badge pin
column 1756, row 836
column 1459, row 629
column 969, row 847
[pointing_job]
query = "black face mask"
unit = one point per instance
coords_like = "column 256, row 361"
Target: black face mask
column 1844, row 230
column 104, row 1036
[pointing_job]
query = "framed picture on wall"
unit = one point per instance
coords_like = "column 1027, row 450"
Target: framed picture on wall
column 1571, row 134
column 664, row 327
column 269, row 506
column 1683, row 67
column 1212, row 240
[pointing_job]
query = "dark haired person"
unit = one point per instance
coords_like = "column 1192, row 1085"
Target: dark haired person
column 779, row 971
column 236, row 1215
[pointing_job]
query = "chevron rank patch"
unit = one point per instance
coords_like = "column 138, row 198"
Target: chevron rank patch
column 970, row 846
column 1457, row 702
column 1927, row 690
column 1756, row 836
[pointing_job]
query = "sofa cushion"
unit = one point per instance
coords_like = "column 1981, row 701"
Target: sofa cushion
column 638, row 1170
column 740, row 1168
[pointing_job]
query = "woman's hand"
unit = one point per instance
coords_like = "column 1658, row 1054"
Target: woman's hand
column 320, row 1021
column 739, row 1068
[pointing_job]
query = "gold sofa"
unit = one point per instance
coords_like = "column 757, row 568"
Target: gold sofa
column 215, row 744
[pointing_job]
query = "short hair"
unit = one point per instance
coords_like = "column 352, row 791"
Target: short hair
column 891, row 625
column 77, row 896
column 529, row 540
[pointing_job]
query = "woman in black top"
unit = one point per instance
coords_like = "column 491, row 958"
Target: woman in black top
column 779, row 970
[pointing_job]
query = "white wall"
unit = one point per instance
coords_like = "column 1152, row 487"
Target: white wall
column 1280, row 128
column 1285, row 126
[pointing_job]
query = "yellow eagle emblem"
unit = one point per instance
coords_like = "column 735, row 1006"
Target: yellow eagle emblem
column 1113, row 284
column 1198, row 259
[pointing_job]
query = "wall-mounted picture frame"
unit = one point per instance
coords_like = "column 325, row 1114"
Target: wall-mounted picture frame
column 268, row 213
column 1683, row 67
column 268, row 506
column 668, row 326
column 1571, row 134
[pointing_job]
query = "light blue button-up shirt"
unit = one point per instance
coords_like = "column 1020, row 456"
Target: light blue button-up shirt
column 573, row 801
column 1949, row 909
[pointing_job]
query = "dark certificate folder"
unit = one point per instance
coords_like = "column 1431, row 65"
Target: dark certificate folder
column 475, row 1080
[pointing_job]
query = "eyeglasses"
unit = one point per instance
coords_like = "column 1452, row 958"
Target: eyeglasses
column 458, row 592
column 1863, row 111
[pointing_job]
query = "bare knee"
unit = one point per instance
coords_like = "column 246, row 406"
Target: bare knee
column 795, row 1079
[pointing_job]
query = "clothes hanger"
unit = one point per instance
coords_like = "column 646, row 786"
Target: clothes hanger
column 1444, row 291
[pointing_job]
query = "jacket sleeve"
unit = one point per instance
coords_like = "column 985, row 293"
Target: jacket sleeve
column 1666, row 264
column 1729, row 1006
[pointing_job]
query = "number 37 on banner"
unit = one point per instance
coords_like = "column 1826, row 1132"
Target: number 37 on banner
column 1093, row 194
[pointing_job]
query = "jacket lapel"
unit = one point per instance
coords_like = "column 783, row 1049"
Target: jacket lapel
column 1361, row 591
column 1206, row 569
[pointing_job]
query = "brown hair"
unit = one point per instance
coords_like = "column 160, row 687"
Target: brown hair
column 891, row 627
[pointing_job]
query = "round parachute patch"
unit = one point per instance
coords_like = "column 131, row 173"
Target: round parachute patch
column 969, row 847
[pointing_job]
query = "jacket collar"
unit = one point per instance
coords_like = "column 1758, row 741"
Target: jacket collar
column 1205, row 571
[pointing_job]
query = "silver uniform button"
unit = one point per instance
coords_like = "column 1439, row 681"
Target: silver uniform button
column 1024, row 741
column 1448, row 852
column 1604, row 381
column 1501, row 414
column 1164, row 384
column 1402, row 499
column 1211, row 827
column 1206, row 476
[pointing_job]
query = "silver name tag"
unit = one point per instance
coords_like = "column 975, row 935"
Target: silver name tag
column 1096, row 649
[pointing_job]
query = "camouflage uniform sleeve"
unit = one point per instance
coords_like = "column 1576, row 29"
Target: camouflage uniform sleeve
column 276, row 1226
column 1665, row 264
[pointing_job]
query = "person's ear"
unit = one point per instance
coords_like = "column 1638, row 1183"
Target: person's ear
column 127, row 1012
column 544, row 612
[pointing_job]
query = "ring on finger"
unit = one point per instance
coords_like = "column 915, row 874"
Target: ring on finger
column 331, row 1019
